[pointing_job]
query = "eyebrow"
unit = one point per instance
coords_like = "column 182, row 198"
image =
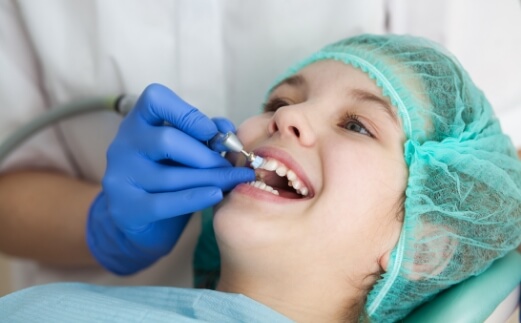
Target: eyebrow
column 295, row 80
column 364, row 96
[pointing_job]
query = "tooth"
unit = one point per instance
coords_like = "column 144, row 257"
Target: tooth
column 281, row 170
column 291, row 175
column 264, row 186
column 271, row 165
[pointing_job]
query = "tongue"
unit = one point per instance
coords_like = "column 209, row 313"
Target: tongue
column 288, row 194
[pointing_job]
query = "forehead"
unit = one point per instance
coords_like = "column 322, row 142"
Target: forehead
column 330, row 74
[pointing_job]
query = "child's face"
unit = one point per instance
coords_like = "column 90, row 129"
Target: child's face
column 331, row 125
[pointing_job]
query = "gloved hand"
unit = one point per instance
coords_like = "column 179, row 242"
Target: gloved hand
column 156, row 176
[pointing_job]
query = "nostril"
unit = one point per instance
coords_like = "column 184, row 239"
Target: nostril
column 296, row 132
column 273, row 128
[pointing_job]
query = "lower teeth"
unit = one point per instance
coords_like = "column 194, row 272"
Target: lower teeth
column 263, row 186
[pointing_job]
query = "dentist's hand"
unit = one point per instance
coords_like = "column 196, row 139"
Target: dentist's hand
column 156, row 177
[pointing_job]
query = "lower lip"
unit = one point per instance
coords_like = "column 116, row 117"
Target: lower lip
column 263, row 195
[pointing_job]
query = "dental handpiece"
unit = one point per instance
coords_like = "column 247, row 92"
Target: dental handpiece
column 230, row 142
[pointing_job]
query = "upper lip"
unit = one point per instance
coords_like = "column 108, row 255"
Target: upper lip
column 286, row 159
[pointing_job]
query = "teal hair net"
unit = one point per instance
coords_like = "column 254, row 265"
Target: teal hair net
column 463, row 198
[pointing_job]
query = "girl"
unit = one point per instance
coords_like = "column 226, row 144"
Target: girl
column 386, row 179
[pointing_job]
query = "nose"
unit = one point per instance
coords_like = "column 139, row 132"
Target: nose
column 291, row 122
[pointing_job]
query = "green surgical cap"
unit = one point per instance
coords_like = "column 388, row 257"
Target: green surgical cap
column 463, row 197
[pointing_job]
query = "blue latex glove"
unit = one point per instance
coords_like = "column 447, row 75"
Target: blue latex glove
column 156, row 176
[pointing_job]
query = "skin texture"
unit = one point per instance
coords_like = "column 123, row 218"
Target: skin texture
column 42, row 217
column 311, row 259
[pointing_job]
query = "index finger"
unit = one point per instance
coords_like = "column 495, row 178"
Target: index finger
column 158, row 104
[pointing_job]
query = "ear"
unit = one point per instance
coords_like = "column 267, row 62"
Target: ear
column 433, row 250
column 384, row 260
column 385, row 256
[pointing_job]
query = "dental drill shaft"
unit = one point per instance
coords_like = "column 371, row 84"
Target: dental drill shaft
column 230, row 142
column 255, row 161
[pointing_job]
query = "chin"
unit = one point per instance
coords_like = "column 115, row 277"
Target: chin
column 239, row 225
column 233, row 224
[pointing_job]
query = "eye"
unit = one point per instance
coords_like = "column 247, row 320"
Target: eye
column 274, row 104
column 351, row 123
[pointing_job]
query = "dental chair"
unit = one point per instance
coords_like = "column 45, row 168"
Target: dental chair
column 490, row 297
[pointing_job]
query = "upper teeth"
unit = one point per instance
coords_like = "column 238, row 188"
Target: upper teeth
column 281, row 170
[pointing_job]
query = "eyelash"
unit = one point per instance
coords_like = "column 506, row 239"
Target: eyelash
column 353, row 118
column 276, row 103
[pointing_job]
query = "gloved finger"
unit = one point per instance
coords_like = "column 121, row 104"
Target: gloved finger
column 158, row 238
column 143, row 209
column 158, row 104
column 162, row 143
column 224, row 125
column 168, row 179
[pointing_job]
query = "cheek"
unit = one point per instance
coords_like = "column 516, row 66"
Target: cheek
column 354, row 177
column 253, row 130
column 363, row 183
column 359, row 205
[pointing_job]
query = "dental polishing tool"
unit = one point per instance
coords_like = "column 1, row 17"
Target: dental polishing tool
column 229, row 142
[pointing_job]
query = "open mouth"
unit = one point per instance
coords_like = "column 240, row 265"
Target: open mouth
column 276, row 178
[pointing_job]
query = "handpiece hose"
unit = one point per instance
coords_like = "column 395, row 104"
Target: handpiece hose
column 121, row 104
